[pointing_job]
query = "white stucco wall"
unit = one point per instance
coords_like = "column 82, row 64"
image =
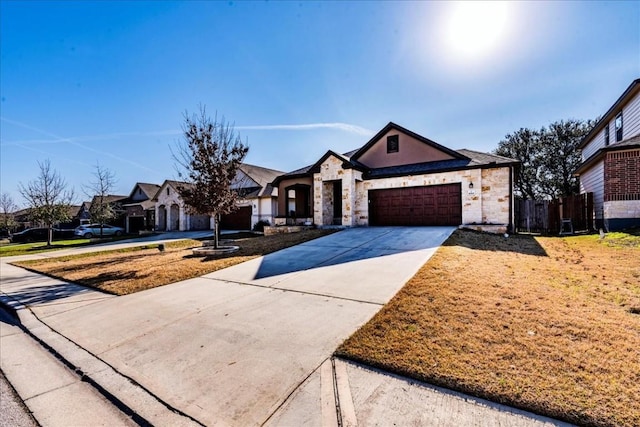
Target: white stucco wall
column 168, row 200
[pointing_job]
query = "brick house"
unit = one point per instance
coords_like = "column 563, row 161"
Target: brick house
column 400, row 178
column 610, row 166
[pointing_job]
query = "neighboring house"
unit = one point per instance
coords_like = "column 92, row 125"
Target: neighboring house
column 23, row 220
column 258, row 198
column 257, row 202
column 400, row 178
column 84, row 213
column 610, row 166
column 140, row 208
column 117, row 203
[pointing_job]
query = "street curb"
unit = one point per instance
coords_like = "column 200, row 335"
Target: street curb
column 131, row 398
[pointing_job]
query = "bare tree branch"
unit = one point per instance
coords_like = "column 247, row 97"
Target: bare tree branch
column 207, row 160
column 47, row 197
column 102, row 209
column 7, row 207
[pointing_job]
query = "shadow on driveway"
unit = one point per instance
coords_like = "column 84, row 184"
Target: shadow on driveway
column 351, row 246
column 36, row 295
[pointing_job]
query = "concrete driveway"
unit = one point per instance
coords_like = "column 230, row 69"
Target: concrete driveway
column 230, row 347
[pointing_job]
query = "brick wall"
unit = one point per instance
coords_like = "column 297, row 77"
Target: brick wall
column 622, row 176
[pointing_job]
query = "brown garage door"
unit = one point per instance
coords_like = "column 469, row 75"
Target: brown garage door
column 238, row 220
column 430, row 205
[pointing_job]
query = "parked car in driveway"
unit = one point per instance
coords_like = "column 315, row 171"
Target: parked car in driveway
column 93, row 230
column 39, row 234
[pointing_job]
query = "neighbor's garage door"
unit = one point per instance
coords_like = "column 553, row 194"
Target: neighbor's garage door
column 238, row 220
column 430, row 205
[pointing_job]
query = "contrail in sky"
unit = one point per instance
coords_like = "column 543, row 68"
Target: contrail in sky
column 73, row 142
column 346, row 127
column 308, row 126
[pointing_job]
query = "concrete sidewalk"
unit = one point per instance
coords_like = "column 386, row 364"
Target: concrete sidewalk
column 170, row 236
column 251, row 344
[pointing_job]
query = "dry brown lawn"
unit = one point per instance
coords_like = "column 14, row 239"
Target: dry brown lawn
column 131, row 270
column 551, row 325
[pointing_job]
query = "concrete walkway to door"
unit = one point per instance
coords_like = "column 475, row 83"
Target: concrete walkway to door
column 241, row 346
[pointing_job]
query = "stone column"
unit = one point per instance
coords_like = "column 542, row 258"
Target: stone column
column 317, row 199
column 348, row 198
column 184, row 219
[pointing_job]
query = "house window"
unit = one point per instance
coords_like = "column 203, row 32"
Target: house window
column 167, row 191
column 606, row 135
column 392, row 144
column 619, row 127
column 139, row 191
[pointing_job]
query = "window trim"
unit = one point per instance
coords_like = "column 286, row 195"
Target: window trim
column 619, row 129
column 606, row 135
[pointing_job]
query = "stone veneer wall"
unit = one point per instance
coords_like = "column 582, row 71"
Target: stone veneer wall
column 327, row 203
column 495, row 196
column 331, row 170
column 487, row 202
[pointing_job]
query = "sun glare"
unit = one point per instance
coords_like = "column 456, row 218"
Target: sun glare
column 474, row 29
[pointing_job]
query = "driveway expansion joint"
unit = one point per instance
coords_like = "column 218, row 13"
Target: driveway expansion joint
column 315, row 294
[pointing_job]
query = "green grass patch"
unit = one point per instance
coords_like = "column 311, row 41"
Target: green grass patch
column 14, row 249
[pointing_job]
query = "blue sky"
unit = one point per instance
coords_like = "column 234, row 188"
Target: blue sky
column 83, row 82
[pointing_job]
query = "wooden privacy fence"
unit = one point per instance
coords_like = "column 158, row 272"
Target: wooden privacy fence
column 546, row 216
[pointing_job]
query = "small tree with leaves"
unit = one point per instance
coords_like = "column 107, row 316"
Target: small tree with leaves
column 208, row 159
column 7, row 207
column 101, row 210
column 47, row 197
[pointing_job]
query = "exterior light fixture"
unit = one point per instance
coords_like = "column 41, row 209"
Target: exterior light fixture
column 471, row 185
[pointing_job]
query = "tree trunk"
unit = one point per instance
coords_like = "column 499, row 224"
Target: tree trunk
column 216, row 230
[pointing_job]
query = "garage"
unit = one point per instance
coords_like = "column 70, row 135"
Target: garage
column 428, row 205
column 238, row 220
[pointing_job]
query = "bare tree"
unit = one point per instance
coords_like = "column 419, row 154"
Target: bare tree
column 207, row 159
column 7, row 207
column 102, row 209
column 47, row 197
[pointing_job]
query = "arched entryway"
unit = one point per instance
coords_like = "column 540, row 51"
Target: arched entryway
column 162, row 218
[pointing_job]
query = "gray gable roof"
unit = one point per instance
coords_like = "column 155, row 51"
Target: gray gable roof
column 463, row 159
column 149, row 190
column 259, row 186
column 474, row 160
column 263, row 177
